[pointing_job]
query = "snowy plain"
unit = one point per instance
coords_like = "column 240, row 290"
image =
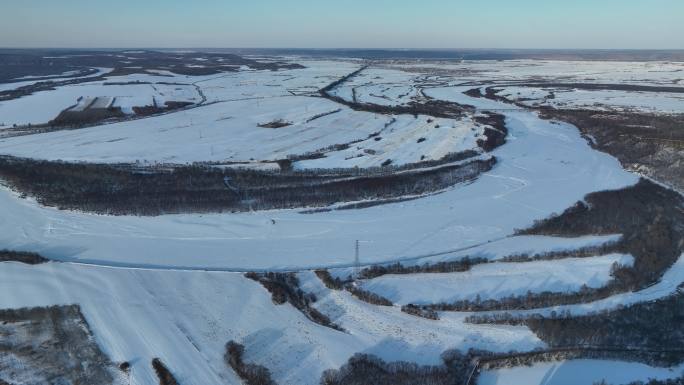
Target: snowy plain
column 163, row 286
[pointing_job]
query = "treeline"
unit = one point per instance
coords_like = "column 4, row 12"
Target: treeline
column 647, row 327
column 364, row 369
column 129, row 190
column 529, row 300
column 163, row 373
column 72, row 119
column 460, row 265
column 367, row 296
column 251, row 374
column 332, row 283
column 668, row 381
column 583, row 252
column 495, row 131
column 77, row 119
column 420, row 312
column 605, row 86
column 22, row 256
column 351, row 286
column 284, row 288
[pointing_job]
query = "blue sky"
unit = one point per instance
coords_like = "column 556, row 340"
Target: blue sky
column 343, row 23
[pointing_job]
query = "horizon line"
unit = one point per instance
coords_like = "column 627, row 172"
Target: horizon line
column 340, row 48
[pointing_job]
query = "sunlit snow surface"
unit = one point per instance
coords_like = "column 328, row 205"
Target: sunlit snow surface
column 578, row 372
column 146, row 285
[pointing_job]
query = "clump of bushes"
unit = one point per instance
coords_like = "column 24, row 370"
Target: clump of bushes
column 420, row 312
column 163, row 373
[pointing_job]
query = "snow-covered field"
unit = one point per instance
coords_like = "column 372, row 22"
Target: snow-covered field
column 639, row 73
column 230, row 132
column 379, row 86
column 171, row 286
column 497, row 280
column 23, row 111
column 578, row 372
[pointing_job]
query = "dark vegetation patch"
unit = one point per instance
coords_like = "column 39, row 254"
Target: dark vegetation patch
column 646, row 325
column 156, row 109
column 22, row 256
column 39, row 343
column 364, row 369
column 582, row 252
column 251, row 374
column 460, row 265
column 605, row 87
column 76, row 119
column 278, row 123
column 332, row 283
column 73, row 119
column 52, row 63
column 474, row 93
column 284, row 288
column 420, row 312
column 648, row 328
column 125, row 367
column 652, row 144
column 495, row 131
column 367, row 296
column 163, row 373
column 669, row 381
column 126, row 189
column 649, row 216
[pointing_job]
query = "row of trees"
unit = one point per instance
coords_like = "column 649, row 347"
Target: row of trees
column 126, row 190
column 364, row 369
column 251, row 374
column 28, row 258
column 460, row 265
column 284, row 288
column 335, row 283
